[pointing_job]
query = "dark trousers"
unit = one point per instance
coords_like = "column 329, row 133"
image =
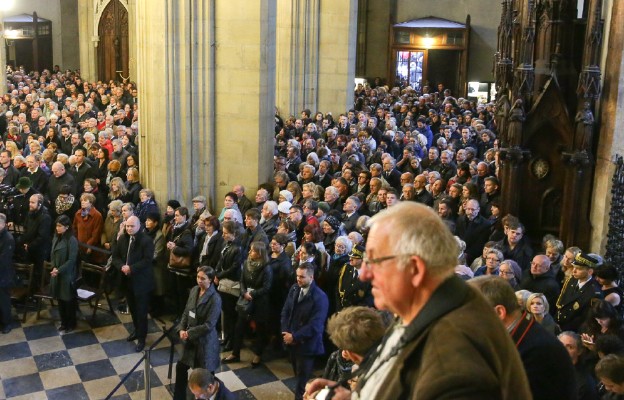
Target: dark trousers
column 303, row 367
column 67, row 311
column 228, row 305
column 181, row 383
column 260, row 341
column 178, row 288
column 5, row 306
column 138, row 305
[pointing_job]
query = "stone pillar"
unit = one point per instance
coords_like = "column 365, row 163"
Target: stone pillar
column 88, row 41
column 316, row 43
column 132, row 39
column 611, row 135
column 245, row 93
column 338, row 43
column 206, row 73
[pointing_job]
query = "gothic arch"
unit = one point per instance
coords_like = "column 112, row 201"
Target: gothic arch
column 113, row 48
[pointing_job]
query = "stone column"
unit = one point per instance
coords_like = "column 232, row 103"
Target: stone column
column 88, row 41
column 245, row 93
column 611, row 135
column 316, row 43
column 206, row 73
column 132, row 40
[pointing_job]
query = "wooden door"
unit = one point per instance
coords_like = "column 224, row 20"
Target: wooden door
column 113, row 52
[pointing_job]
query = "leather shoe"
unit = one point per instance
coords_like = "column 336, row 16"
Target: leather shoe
column 139, row 347
column 6, row 330
column 132, row 337
column 230, row 359
column 255, row 363
column 62, row 328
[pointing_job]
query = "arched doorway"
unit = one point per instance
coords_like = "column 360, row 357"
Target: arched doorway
column 113, row 52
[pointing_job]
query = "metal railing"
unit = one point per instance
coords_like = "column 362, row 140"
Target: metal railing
column 147, row 365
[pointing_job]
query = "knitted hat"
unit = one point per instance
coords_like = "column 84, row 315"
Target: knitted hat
column 286, row 194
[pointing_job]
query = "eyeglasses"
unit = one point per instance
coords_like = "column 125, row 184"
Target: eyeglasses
column 370, row 263
column 505, row 273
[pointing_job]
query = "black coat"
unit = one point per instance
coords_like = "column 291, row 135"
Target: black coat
column 7, row 248
column 350, row 222
column 229, row 265
column 546, row 362
column 213, row 252
column 522, row 253
column 55, row 184
column 545, row 283
column 84, row 171
column 38, row 178
column 424, row 197
column 258, row 283
column 139, row 258
column 183, row 239
column 475, row 233
column 37, row 233
column 282, row 271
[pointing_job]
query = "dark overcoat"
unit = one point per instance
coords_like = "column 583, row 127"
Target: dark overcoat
column 199, row 319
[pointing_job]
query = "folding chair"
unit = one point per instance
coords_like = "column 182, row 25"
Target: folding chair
column 44, row 289
column 19, row 294
column 94, row 292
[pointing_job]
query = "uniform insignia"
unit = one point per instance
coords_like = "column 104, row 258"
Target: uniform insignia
column 361, row 293
column 576, row 306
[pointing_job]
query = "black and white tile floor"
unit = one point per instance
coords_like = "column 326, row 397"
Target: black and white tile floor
column 37, row 362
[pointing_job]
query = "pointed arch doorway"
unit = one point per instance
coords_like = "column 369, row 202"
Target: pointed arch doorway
column 113, row 48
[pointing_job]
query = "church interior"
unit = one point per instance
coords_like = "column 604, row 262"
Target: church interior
column 212, row 74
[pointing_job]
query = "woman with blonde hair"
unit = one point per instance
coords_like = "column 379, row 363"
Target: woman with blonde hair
column 538, row 306
column 117, row 190
column 295, row 189
column 11, row 146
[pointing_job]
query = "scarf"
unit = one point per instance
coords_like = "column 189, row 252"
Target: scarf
column 63, row 205
column 84, row 212
column 253, row 266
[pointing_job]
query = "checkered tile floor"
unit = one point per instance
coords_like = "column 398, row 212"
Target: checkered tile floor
column 36, row 362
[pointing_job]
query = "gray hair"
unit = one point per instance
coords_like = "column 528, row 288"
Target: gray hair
column 418, row 230
column 115, row 205
column 344, row 240
column 271, row 206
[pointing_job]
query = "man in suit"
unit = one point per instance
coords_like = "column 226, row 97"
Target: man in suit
column 421, row 194
column 577, row 293
column 546, row 362
column 391, row 174
column 303, row 322
column 473, row 229
column 204, row 385
column 414, row 279
column 351, row 215
column 133, row 257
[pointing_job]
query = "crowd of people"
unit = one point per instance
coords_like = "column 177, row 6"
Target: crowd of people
column 389, row 206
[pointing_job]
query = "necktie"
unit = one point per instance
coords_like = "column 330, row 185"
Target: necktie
column 301, row 295
column 129, row 247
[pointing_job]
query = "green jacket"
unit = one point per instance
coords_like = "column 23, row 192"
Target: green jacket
column 64, row 257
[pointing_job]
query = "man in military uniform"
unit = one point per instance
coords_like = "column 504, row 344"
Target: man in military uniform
column 351, row 291
column 577, row 293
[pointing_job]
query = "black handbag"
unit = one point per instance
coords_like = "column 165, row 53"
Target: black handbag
column 244, row 306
